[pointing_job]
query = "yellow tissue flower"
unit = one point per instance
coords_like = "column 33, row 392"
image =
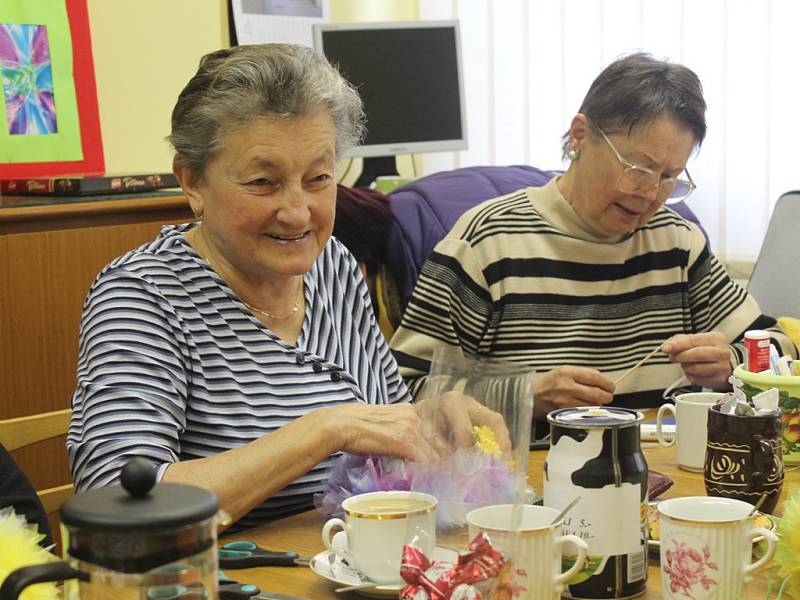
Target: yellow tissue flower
column 787, row 556
column 486, row 441
column 791, row 327
column 19, row 547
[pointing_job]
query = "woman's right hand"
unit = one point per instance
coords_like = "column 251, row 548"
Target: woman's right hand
column 386, row 430
column 570, row 386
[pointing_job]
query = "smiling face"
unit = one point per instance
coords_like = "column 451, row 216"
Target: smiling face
column 591, row 183
column 268, row 197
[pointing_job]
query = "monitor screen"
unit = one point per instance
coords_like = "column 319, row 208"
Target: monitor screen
column 409, row 76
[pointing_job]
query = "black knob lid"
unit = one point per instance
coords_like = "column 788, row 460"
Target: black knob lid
column 138, row 477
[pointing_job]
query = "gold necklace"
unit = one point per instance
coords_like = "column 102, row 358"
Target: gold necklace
column 295, row 308
column 269, row 315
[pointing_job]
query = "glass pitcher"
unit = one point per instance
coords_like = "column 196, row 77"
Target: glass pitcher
column 136, row 540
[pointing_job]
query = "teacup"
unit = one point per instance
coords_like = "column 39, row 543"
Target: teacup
column 691, row 414
column 538, row 564
column 744, row 459
column 378, row 525
column 706, row 547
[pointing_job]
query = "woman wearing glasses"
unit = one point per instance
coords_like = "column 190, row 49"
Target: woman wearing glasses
column 583, row 277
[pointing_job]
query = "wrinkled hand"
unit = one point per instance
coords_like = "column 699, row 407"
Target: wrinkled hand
column 704, row 357
column 454, row 415
column 570, row 386
column 384, row 430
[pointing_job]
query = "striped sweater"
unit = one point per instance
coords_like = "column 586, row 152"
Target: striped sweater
column 522, row 278
column 173, row 366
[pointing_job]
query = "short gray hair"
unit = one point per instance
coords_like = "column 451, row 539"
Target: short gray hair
column 278, row 81
column 637, row 89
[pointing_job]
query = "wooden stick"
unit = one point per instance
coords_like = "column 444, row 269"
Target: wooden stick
column 638, row 364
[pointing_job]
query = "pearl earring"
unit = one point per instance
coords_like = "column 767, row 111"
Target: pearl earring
column 574, row 153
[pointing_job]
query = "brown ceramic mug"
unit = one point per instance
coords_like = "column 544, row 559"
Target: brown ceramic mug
column 744, row 458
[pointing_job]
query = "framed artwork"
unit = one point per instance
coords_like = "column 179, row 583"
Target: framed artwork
column 49, row 122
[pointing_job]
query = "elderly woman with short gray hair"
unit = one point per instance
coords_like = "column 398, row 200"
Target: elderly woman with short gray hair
column 240, row 352
column 584, row 277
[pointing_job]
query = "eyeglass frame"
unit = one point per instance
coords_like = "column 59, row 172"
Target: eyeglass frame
column 629, row 166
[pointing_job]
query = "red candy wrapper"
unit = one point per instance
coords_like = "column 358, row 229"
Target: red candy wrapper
column 440, row 580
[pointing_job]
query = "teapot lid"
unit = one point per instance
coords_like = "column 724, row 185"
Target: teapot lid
column 138, row 504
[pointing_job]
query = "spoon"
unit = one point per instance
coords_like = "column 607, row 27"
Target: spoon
column 358, row 586
column 757, row 505
column 567, row 508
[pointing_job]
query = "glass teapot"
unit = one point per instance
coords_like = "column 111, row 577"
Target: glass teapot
column 134, row 540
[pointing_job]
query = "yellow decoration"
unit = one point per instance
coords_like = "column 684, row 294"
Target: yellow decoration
column 791, row 327
column 19, row 547
column 486, row 441
column 787, row 556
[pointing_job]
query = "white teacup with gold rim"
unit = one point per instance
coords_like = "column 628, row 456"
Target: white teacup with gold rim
column 378, row 525
column 706, row 547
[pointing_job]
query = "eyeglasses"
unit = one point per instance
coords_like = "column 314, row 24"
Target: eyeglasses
column 636, row 179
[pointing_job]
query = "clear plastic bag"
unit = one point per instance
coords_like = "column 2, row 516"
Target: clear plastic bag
column 477, row 415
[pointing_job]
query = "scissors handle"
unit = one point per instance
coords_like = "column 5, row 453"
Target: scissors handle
column 243, row 559
column 178, row 592
column 238, row 591
column 241, row 545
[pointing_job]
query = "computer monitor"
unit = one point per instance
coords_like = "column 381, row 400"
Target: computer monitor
column 410, row 78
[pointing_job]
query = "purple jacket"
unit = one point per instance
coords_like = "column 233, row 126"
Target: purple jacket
column 424, row 210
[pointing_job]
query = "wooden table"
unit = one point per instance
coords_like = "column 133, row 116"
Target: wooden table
column 301, row 533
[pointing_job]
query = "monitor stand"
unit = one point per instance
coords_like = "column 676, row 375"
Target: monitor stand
column 374, row 167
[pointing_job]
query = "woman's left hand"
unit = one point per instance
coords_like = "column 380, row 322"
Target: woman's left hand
column 456, row 414
column 704, row 357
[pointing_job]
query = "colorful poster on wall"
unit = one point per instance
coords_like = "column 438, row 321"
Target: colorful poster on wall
column 49, row 123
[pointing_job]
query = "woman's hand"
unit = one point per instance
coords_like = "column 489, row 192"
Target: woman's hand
column 570, row 386
column 454, row 415
column 704, row 357
column 385, row 430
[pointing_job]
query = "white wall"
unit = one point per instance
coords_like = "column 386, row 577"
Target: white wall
column 144, row 53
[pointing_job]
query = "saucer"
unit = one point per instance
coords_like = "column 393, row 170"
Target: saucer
column 330, row 566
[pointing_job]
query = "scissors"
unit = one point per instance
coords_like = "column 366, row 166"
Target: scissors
column 229, row 589
column 243, row 554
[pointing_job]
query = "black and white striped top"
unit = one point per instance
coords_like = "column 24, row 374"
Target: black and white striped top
column 522, row 278
column 173, row 366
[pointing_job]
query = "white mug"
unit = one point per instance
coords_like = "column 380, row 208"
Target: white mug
column 706, row 547
column 691, row 428
column 378, row 525
column 538, row 565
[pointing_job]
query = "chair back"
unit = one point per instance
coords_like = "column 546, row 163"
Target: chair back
column 775, row 281
column 19, row 432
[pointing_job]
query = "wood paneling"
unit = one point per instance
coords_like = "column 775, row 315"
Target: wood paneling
column 49, row 255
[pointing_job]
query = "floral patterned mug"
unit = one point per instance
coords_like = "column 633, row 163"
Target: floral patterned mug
column 706, row 548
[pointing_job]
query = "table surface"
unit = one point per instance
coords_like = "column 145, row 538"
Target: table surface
column 301, row 533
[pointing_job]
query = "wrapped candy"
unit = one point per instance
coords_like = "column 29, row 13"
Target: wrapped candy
column 737, row 403
column 473, row 576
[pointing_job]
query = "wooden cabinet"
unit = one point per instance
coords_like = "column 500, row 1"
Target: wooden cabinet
column 50, row 252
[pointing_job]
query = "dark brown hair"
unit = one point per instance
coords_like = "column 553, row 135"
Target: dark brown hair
column 637, row 89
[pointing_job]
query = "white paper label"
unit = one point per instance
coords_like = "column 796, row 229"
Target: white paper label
column 607, row 518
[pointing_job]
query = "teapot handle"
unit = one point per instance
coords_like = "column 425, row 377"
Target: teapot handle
column 23, row 577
